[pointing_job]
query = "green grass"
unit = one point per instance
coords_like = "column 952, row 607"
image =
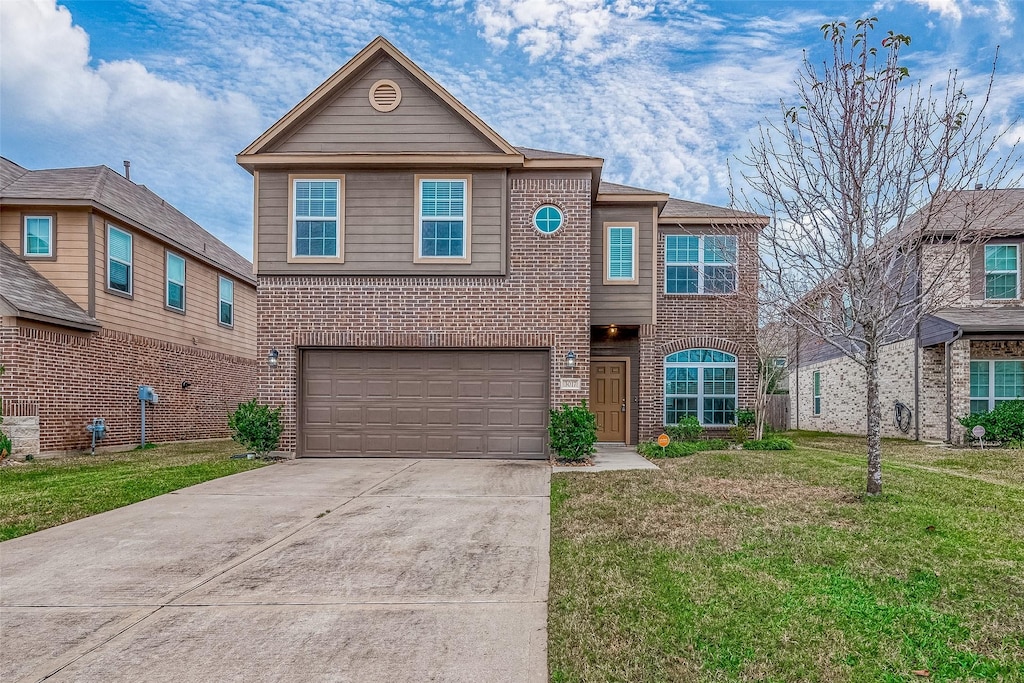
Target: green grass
column 45, row 493
column 772, row 566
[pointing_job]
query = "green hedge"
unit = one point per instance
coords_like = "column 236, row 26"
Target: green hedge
column 680, row 449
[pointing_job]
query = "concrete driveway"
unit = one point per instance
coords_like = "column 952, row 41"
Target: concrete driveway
column 311, row 570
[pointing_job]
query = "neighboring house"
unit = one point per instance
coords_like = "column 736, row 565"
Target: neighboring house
column 427, row 289
column 966, row 358
column 105, row 287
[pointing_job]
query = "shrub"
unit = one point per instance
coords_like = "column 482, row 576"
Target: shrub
column 5, row 445
column 573, row 432
column 1005, row 423
column 745, row 418
column 769, row 443
column 257, row 427
column 738, row 434
column 679, row 449
column 688, row 429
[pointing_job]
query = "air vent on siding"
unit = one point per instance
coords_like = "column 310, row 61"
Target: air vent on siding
column 385, row 95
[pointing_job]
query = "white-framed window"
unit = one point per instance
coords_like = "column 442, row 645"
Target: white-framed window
column 994, row 382
column 702, row 383
column 316, row 218
column 547, row 219
column 700, row 264
column 175, row 282
column 1002, row 271
column 442, row 221
column 226, row 301
column 816, row 391
column 119, row 260
column 37, row 237
column 620, row 261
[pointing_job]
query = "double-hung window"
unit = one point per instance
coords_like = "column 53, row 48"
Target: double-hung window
column 620, row 241
column 119, row 260
column 1002, row 271
column 995, row 381
column 442, row 219
column 700, row 264
column 226, row 301
column 701, row 383
column 317, row 221
column 175, row 285
column 38, row 237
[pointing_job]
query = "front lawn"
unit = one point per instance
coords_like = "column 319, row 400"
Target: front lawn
column 45, row 493
column 743, row 565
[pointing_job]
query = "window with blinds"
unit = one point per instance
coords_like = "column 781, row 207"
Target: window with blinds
column 620, row 254
column 119, row 260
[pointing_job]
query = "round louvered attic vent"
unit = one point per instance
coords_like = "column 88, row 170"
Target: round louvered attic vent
column 385, row 95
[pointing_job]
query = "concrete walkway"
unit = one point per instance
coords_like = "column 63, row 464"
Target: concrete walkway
column 612, row 456
column 312, row 570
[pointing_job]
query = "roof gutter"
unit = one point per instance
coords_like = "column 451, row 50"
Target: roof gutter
column 949, row 386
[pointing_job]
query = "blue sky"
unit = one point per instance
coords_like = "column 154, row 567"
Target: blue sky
column 665, row 91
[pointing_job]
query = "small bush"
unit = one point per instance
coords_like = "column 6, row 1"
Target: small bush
column 573, row 432
column 745, row 417
column 257, row 427
column 1005, row 423
column 769, row 443
column 688, row 429
column 5, row 445
column 738, row 434
column 680, row 449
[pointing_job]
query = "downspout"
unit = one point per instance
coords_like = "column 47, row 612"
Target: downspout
column 796, row 366
column 949, row 386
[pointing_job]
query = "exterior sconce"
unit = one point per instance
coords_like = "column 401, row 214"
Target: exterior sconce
column 272, row 357
column 570, row 360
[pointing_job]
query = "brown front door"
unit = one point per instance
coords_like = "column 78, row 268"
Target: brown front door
column 608, row 398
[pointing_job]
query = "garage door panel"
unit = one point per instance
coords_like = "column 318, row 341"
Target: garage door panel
column 500, row 445
column 534, row 363
column 409, row 444
column 501, row 389
column 471, row 417
column 498, row 362
column 533, row 390
column 411, row 388
column 319, row 388
column 500, row 417
column 352, row 389
column 317, row 442
column 470, row 444
column 530, row 444
column 348, row 416
column 529, row 417
column 440, row 389
column 473, row 388
column 318, row 415
column 376, row 416
column 348, row 443
column 409, row 417
column 441, row 444
column 440, row 417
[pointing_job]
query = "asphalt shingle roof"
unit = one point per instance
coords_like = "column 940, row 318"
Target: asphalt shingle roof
column 36, row 297
column 681, row 208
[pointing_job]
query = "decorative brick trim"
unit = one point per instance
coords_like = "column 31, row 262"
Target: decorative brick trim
column 501, row 340
column 70, row 339
column 716, row 343
column 21, row 409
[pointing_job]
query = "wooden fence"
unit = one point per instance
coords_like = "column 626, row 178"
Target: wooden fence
column 778, row 411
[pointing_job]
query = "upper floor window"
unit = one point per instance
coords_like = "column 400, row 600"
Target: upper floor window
column 702, row 383
column 442, row 219
column 547, row 219
column 994, row 382
column 317, row 221
column 175, row 285
column 620, row 242
column 700, row 264
column 37, row 240
column 1002, row 271
column 226, row 300
column 119, row 260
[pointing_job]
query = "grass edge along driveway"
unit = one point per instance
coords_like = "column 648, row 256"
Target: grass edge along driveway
column 44, row 493
column 737, row 565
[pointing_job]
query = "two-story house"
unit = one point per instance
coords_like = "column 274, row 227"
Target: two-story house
column 428, row 289
column 967, row 357
column 105, row 287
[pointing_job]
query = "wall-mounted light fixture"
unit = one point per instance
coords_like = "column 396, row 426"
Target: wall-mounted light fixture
column 570, row 360
column 272, row 357
column 186, row 384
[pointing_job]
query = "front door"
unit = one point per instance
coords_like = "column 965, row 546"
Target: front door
column 608, row 399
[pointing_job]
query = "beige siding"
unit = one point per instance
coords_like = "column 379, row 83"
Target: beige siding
column 379, row 226
column 421, row 123
column 145, row 315
column 621, row 304
column 69, row 271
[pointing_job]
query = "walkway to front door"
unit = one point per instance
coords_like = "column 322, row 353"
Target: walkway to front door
column 608, row 399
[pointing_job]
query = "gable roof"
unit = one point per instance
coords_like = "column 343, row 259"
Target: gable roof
column 32, row 296
column 687, row 212
column 112, row 193
column 345, row 74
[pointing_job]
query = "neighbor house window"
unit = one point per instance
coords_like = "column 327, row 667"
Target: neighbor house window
column 175, row 282
column 816, row 382
column 701, row 383
column 316, row 218
column 700, row 264
column 38, row 237
column 620, row 243
column 442, row 223
column 227, row 302
column 994, row 382
column 119, row 260
column 1002, row 271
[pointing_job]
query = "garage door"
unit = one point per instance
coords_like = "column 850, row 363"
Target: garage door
column 416, row 403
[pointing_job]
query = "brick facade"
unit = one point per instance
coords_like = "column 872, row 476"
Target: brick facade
column 543, row 302
column 74, row 377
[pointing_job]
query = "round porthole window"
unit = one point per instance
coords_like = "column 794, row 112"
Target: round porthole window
column 547, row 219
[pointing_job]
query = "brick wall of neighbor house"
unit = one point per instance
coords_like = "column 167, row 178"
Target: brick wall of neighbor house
column 543, row 302
column 76, row 377
column 725, row 323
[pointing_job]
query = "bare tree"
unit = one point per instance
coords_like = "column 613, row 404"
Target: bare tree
column 862, row 170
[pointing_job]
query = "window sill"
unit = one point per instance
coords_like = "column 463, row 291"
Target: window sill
column 172, row 309
column 226, row 327
column 123, row 295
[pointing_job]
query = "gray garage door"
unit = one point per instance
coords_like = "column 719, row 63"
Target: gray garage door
column 416, row 403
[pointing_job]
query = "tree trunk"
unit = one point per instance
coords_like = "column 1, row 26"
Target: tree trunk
column 760, row 405
column 874, row 423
